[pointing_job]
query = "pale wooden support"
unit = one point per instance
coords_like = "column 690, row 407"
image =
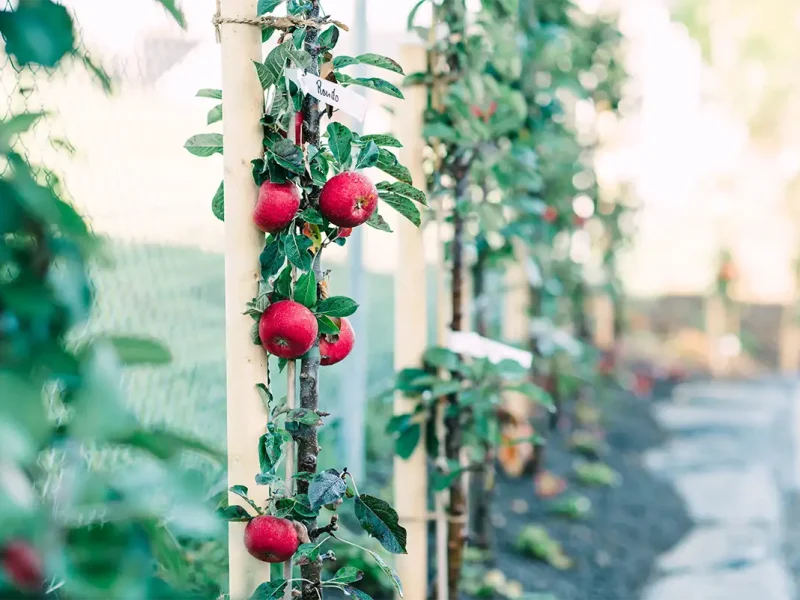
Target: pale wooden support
column 516, row 321
column 715, row 329
column 789, row 340
column 603, row 310
column 410, row 341
column 291, row 404
column 245, row 361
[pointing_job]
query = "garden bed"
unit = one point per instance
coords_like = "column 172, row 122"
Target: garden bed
column 613, row 549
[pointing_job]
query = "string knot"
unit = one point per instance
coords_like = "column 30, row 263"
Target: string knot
column 286, row 23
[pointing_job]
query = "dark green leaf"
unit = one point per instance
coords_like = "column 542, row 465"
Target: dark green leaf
column 340, row 142
column 214, row 115
column 297, row 252
column 305, row 290
column 210, row 93
column 413, row 14
column 442, row 481
column 375, row 60
column 311, row 215
column 218, row 202
column 441, row 358
column 337, row 306
column 272, row 258
column 368, row 157
column 134, row 351
column 536, row 394
column 329, row 37
column 389, row 572
column 372, row 83
column 380, row 140
column 407, row 441
column 172, row 7
column 387, row 162
column 306, row 553
column 16, row 125
column 404, row 189
column 345, row 575
column 270, row 590
column 326, row 325
column 378, row 222
column 275, row 63
column 305, row 416
column 38, row 32
column 282, row 289
column 267, row 33
column 288, row 155
column 233, row 513
column 402, row 205
column 270, row 450
column 356, row 593
column 267, row 6
column 380, row 520
column 204, row 144
column 325, row 488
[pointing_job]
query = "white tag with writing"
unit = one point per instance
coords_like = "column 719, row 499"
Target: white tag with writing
column 331, row 93
column 476, row 346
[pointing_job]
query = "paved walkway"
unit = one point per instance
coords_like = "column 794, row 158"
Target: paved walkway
column 730, row 458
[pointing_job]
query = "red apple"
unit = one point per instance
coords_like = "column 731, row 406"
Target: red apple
column 23, row 566
column 336, row 351
column 550, row 214
column 276, row 206
column 271, row 539
column 344, row 232
column 348, row 199
column 287, row 329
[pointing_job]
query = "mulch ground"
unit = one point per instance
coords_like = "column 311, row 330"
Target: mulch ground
column 614, row 548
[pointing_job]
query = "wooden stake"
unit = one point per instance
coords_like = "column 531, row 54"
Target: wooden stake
column 291, row 404
column 245, row 362
column 603, row 309
column 410, row 341
column 517, row 322
column 715, row 330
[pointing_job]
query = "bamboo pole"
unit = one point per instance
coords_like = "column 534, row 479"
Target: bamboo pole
column 410, row 341
column 245, row 362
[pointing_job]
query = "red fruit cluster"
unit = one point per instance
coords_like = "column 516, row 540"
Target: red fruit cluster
column 271, row 539
column 22, row 566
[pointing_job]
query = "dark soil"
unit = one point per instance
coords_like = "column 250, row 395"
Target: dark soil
column 614, row 548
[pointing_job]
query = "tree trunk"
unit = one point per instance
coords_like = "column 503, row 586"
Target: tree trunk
column 453, row 421
column 307, row 445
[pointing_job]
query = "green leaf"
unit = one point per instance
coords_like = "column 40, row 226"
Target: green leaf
column 372, row 83
column 402, row 205
column 210, row 93
column 233, row 513
column 375, row 60
column 380, row 140
column 214, row 115
column 440, row 131
column 218, row 202
column 326, row 325
column 297, row 252
column 37, row 32
column 441, row 358
column 325, row 488
column 311, row 215
column 305, row 290
column 536, row 394
column 288, row 155
column 166, row 445
column 389, row 572
column 241, row 491
column 329, row 37
column 442, row 481
column 387, row 162
column 368, row 157
column 380, row 520
column 305, row 416
column 345, row 575
column 305, row 554
column 283, row 285
column 16, row 125
column 337, row 306
column 274, row 65
column 413, row 14
column 133, row 351
column 407, row 441
column 204, row 144
column 340, row 142
column 378, row 222
column 270, row 450
column 267, row 6
column 356, row 593
column 270, row 590
column 172, row 7
column 272, row 258
column 404, row 189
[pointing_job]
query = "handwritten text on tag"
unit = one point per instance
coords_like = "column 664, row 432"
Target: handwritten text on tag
column 331, row 93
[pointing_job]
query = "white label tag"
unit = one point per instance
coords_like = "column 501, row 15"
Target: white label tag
column 476, row 346
column 331, row 93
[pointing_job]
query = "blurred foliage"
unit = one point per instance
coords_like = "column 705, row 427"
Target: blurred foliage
column 93, row 534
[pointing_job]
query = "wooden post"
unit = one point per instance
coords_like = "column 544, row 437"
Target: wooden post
column 245, row 362
column 715, row 329
column 516, row 321
column 789, row 340
column 603, row 310
column 410, row 341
